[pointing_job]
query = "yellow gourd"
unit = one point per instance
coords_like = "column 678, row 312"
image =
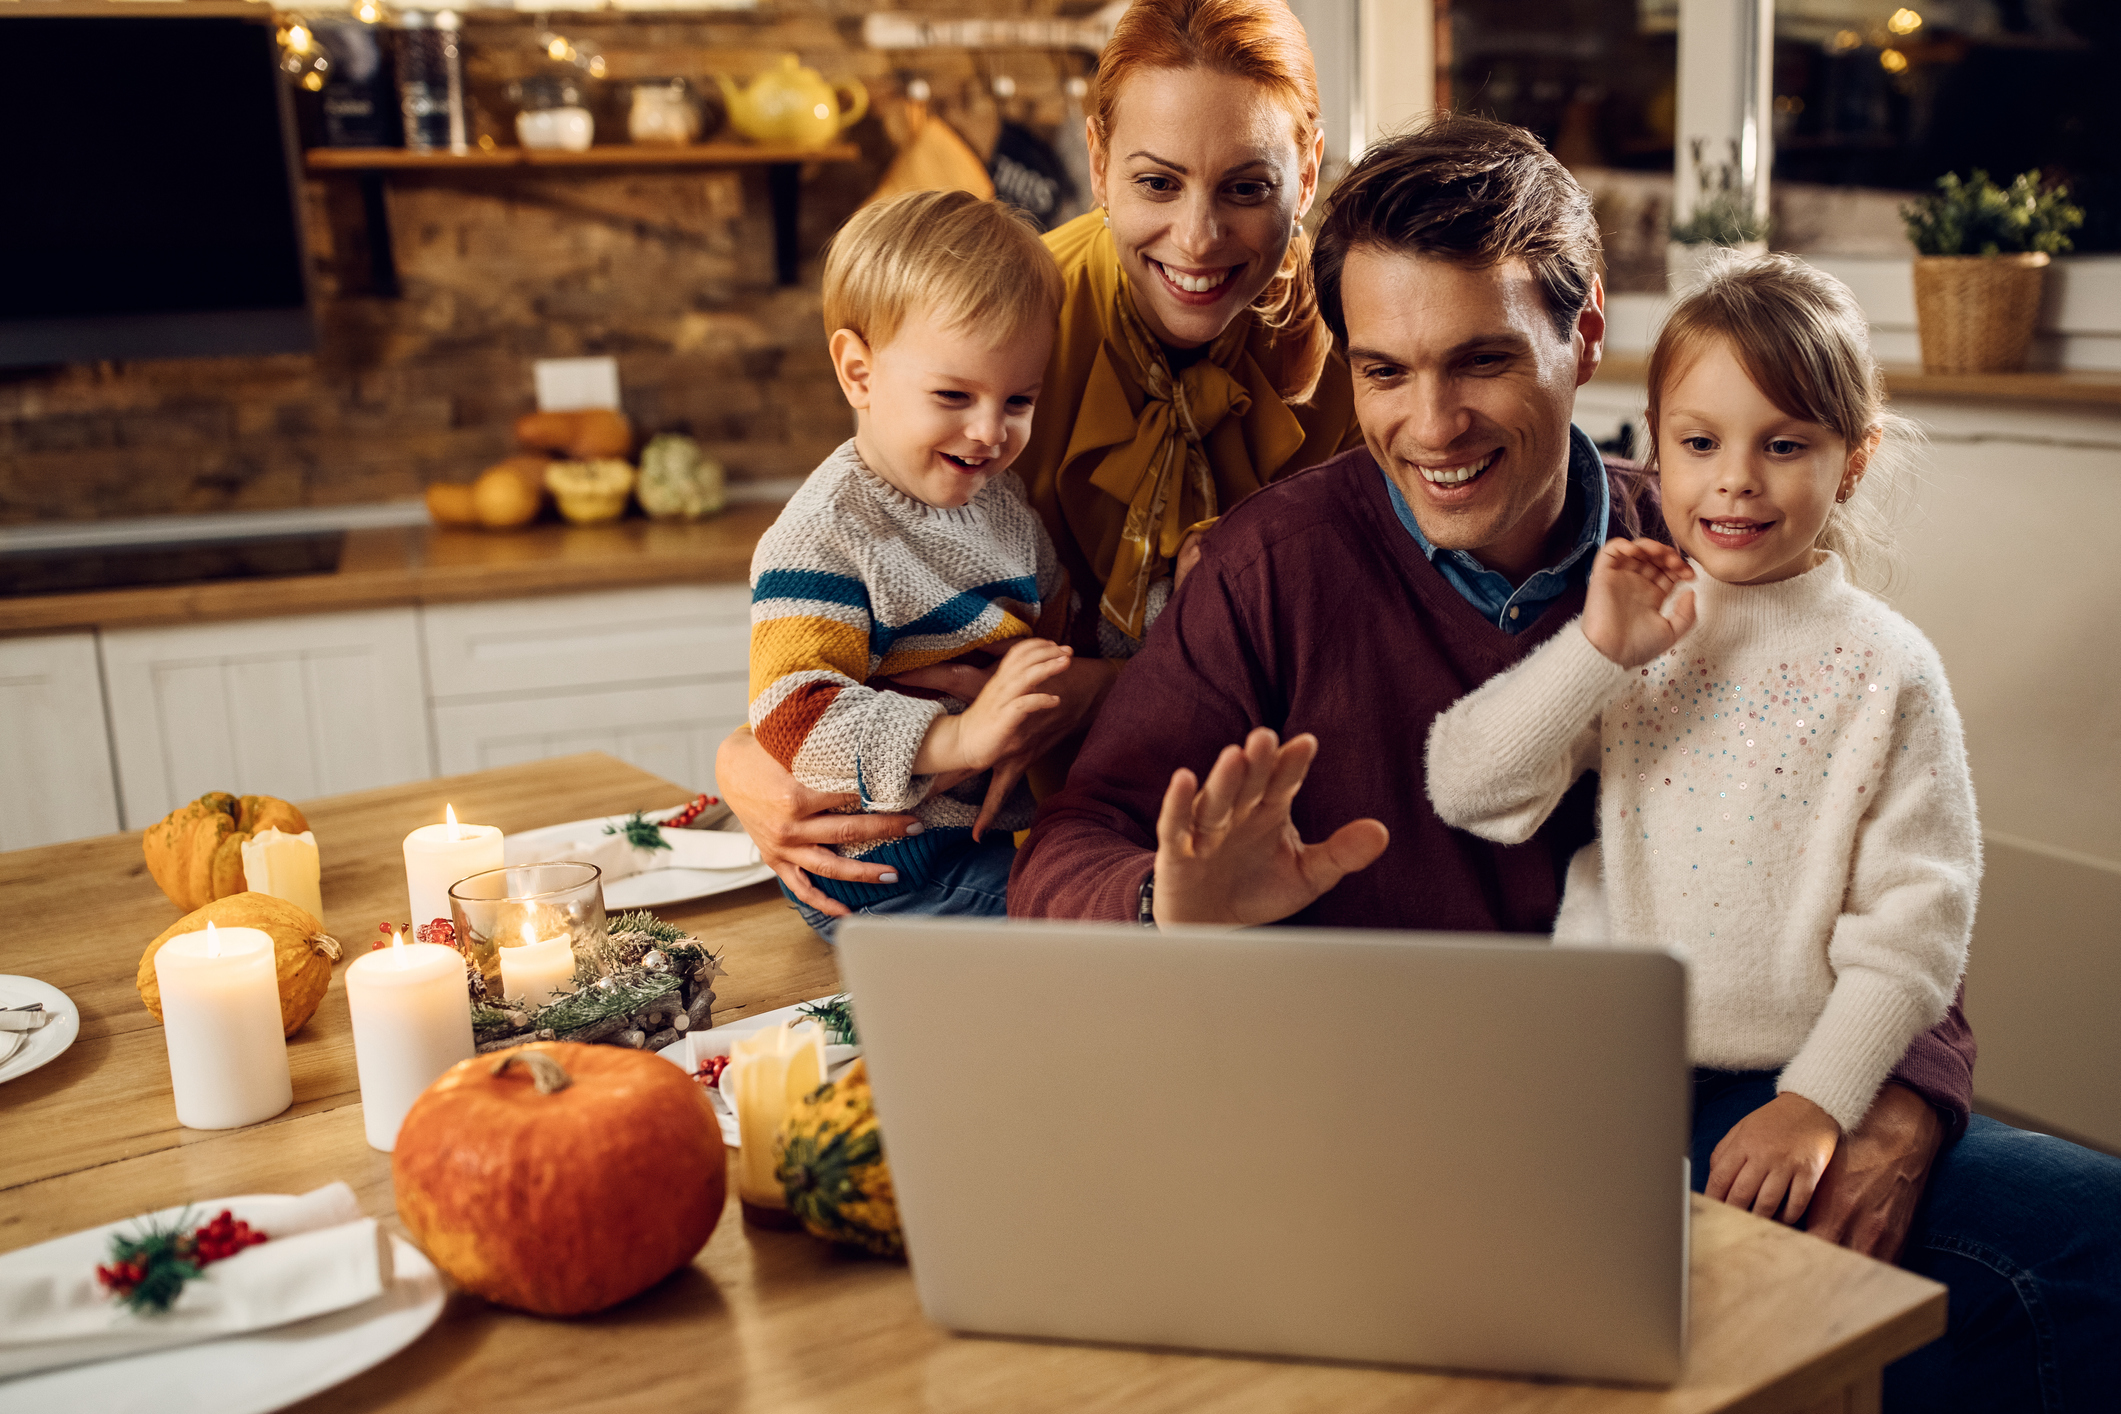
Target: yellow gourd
column 302, row 951
column 196, row 851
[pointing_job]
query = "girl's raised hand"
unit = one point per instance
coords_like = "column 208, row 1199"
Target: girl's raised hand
column 1624, row 614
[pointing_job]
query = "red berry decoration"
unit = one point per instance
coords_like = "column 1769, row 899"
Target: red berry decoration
column 147, row 1272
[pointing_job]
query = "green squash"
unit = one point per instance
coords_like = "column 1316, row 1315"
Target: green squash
column 678, row 481
column 831, row 1165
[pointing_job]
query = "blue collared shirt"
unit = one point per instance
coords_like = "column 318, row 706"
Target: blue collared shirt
column 1511, row 607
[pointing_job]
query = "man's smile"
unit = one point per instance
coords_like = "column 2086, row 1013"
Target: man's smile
column 1455, row 475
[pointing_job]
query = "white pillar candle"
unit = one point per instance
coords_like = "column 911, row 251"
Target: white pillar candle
column 768, row 1072
column 411, row 1022
column 221, row 1022
column 437, row 856
column 285, row 866
column 534, row 969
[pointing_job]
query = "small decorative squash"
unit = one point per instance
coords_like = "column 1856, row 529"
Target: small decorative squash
column 590, row 491
column 677, row 481
column 302, row 951
column 510, row 493
column 560, row 1178
column 832, row 1166
column 585, row 435
column 196, row 851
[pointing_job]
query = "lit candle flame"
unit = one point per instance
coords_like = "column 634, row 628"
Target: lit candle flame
column 213, row 941
column 397, row 946
column 530, row 933
column 449, row 813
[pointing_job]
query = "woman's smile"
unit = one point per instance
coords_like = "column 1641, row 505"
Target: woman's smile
column 1195, row 285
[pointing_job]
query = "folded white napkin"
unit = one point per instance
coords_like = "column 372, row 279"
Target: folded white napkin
column 322, row 1256
column 619, row 859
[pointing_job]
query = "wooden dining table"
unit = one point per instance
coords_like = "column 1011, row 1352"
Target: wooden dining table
column 761, row 1320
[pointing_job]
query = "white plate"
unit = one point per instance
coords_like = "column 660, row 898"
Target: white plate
column 243, row 1374
column 687, row 1051
column 652, row 889
column 47, row 1041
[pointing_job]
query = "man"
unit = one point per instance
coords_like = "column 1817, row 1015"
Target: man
column 1334, row 614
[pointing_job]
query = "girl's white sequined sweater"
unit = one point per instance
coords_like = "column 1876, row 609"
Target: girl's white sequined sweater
column 1783, row 797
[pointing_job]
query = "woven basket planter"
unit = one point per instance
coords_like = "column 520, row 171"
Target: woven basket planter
column 1976, row 313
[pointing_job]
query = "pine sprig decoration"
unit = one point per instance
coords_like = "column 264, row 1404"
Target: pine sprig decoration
column 624, row 995
column 147, row 1272
column 836, row 1015
column 640, row 831
column 640, row 920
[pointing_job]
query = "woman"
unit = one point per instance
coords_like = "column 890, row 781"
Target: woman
column 1191, row 365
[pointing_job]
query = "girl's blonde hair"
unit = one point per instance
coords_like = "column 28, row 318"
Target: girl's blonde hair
column 1801, row 337
column 968, row 261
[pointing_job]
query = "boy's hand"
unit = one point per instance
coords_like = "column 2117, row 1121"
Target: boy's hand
column 1080, row 689
column 1624, row 614
column 994, row 725
column 1773, row 1157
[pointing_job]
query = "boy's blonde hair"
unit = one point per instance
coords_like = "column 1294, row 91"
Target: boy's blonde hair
column 1801, row 337
column 964, row 260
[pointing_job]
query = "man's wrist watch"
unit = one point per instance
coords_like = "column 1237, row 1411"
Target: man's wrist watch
column 1145, row 902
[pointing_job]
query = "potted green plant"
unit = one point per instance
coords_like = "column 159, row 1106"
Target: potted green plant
column 1722, row 218
column 1981, row 256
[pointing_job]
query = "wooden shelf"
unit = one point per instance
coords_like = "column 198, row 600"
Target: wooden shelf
column 699, row 154
column 372, row 166
column 2100, row 390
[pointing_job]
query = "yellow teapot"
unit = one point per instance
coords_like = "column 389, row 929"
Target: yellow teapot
column 792, row 104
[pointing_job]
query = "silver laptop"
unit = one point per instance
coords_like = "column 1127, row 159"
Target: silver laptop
column 1412, row 1148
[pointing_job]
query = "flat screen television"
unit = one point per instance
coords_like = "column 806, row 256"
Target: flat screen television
column 151, row 185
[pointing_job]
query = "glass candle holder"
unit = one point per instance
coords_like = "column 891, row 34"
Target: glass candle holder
column 528, row 905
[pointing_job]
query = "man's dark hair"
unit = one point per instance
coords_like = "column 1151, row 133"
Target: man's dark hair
column 1465, row 189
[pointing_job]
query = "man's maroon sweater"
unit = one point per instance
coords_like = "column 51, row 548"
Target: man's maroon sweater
column 1313, row 610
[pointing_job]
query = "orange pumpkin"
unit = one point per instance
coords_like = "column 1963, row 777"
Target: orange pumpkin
column 196, row 851
column 560, row 1178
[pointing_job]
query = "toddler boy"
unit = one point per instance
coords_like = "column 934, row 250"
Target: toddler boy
column 913, row 545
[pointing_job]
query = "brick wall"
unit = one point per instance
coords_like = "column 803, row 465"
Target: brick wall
column 672, row 273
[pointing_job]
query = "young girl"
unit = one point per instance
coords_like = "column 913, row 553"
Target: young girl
column 1783, row 789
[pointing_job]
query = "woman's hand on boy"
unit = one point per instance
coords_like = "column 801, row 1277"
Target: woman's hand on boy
column 1624, row 614
column 1771, row 1160
column 795, row 827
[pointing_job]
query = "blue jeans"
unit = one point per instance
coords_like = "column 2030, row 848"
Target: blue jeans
column 973, row 884
column 2025, row 1230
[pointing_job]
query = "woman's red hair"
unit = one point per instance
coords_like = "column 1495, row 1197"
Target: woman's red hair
column 1262, row 41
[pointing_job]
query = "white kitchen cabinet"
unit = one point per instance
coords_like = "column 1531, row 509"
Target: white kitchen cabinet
column 55, row 771
column 569, row 642
column 293, row 707
column 655, row 677
column 671, row 732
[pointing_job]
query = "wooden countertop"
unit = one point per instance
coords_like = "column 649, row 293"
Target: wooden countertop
column 429, row 565
column 761, row 1320
column 2085, row 390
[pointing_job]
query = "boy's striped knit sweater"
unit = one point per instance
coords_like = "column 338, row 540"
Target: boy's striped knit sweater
column 857, row 581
